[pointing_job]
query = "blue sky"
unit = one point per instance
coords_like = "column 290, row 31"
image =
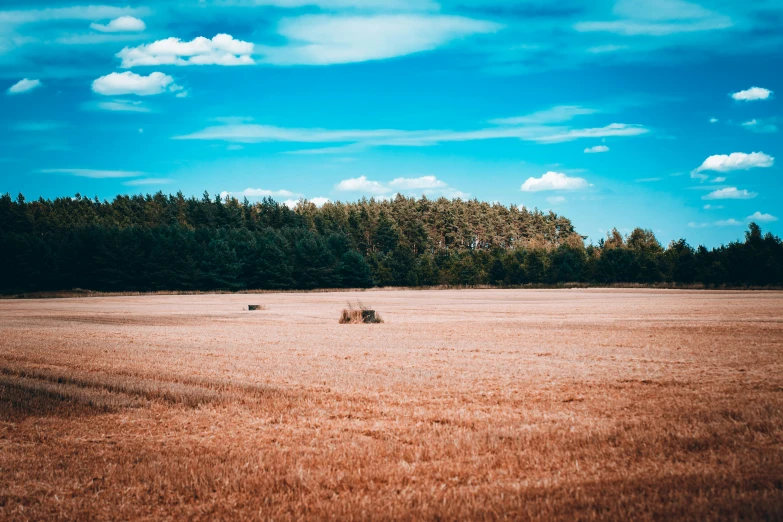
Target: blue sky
column 663, row 114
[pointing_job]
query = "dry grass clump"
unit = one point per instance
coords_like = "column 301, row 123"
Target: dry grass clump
column 358, row 313
column 255, row 308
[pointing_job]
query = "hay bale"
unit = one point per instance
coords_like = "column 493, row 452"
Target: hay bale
column 255, row 307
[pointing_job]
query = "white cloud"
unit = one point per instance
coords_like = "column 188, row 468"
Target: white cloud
column 424, row 182
column 119, row 105
column 252, row 133
column 760, row 126
column 262, row 193
column 554, row 200
column 553, row 181
column 736, row 161
column 361, row 184
column 123, row 24
column 223, row 49
column 597, row 149
column 24, row 85
column 558, row 114
column 714, row 120
column 148, row 181
column 319, row 202
column 719, row 179
column 386, row 5
column 94, row 12
column 332, row 39
column 728, row 223
column 129, row 83
column 94, row 174
column 730, row 193
column 752, row 94
column 765, row 218
column 422, row 186
column 712, row 207
column 657, row 18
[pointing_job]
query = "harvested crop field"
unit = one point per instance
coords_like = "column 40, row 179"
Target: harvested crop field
column 463, row 405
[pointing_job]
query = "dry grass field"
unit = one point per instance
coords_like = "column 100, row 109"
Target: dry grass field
column 463, row 405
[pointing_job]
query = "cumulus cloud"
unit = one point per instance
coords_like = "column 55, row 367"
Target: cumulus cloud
column 25, row 85
column 94, row 174
column 424, row 182
column 123, row 24
column 597, row 149
column 765, row 218
column 424, row 185
column 261, row 193
column 319, row 202
column 753, row 94
column 553, row 181
column 730, row 193
column 334, row 39
column 361, row 184
column 223, row 49
column 115, row 84
column 736, row 161
column 728, row 223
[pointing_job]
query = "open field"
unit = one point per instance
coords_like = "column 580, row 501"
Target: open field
column 486, row 404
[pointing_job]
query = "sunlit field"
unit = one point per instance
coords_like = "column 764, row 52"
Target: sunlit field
column 462, row 405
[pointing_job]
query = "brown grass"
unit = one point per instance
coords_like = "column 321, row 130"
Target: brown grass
column 546, row 405
column 358, row 313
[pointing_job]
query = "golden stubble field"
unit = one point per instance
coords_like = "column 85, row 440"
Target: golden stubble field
column 463, row 405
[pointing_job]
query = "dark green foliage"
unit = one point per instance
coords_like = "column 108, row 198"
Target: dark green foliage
column 159, row 242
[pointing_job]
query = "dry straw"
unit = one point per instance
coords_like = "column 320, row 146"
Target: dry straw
column 358, row 313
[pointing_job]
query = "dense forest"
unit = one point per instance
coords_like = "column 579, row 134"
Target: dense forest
column 160, row 242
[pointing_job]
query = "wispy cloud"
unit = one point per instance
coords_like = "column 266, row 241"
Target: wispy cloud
column 558, row 114
column 730, row 193
column 38, row 126
column 118, row 105
column 657, row 18
column 353, row 139
column 336, row 39
column 24, row 85
column 148, row 181
column 762, row 126
column 597, row 149
column 94, row 174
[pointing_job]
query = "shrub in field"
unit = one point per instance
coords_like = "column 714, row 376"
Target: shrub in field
column 358, row 313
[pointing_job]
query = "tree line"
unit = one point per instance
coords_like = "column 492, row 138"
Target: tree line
column 169, row 242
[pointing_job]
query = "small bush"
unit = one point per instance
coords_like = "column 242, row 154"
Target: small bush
column 253, row 308
column 358, row 313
